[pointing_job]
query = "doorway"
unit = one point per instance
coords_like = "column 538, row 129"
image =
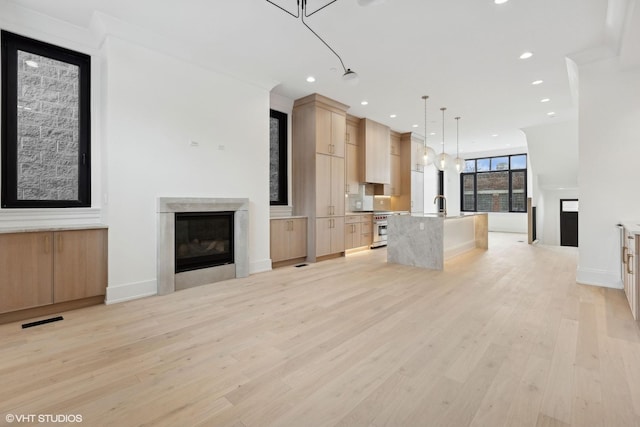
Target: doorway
column 569, row 222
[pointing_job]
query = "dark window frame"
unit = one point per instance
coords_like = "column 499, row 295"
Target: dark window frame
column 283, row 179
column 475, row 183
column 11, row 43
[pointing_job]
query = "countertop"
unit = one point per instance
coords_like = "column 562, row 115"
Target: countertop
column 35, row 229
column 433, row 215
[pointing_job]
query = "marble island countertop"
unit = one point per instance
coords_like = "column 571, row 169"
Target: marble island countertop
column 428, row 240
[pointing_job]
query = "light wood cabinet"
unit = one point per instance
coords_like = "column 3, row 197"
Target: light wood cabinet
column 329, row 235
column 330, row 132
column 352, row 161
column 352, row 134
column 417, row 192
column 417, row 156
column 394, row 188
column 409, row 174
column 26, row 271
column 51, row 267
column 358, row 231
column 631, row 248
column 376, row 143
column 319, row 184
column 80, row 264
column 288, row 239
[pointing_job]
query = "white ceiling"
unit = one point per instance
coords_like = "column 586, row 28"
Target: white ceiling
column 464, row 54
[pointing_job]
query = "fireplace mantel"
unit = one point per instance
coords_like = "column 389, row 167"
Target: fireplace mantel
column 167, row 207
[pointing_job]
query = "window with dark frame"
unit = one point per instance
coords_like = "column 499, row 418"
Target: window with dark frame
column 46, row 125
column 278, row 158
column 494, row 184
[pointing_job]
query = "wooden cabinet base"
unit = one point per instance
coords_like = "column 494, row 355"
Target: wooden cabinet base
column 288, row 262
column 32, row 313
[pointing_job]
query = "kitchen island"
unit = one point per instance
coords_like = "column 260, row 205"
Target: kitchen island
column 428, row 240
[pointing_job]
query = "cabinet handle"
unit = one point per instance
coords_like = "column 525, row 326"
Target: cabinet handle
column 624, row 255
column 47, row 244
column 629, row 258
column 59, row 241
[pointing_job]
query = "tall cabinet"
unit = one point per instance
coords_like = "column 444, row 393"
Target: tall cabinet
column 411, row 174
column 319, row 185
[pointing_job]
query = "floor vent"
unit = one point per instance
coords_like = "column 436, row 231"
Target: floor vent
column 301, row 265
column 41, row 322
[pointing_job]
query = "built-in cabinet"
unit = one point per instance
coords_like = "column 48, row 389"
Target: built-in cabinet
column 376, row 145
column 353, row 158
column 358, row 231
column 319, row 184
column 43, row 268
column 394, row 188
column 630, row 264
column 288, row 240
column 411, row 175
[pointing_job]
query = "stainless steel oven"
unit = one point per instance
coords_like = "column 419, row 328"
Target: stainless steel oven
column 379, row 229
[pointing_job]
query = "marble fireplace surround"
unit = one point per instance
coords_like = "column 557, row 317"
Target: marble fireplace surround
column 168, row 280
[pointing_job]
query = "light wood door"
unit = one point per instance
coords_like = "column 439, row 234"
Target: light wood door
column 395, row 144
column 352, row 235
column 337, row 186
column 279, row 240
column 396, row 176
column 377, row 152
column 324, row 205
column 353, row 169
column 338, row 133
column 352, row 134
column 323, row 131
column 337, row 235
column 323, row 235
column 25, row 271
column 80, row 264
column 630, row 276
column 298, row 238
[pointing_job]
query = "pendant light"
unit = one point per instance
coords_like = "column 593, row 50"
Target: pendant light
column 443, row 159
column 429, row 155
column 458, row 162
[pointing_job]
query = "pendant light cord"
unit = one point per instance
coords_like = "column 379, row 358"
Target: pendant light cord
column 425, row 97
column 443, row 109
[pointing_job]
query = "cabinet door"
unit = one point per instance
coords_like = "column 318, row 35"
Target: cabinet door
column 351, row 235
column 337, row 186
column 324, row 185
column 395, row 145
column 417, row 156
column 338, row 132
column 80, row 264
column 279, row 239
column 353, row 170
column 26, row 269
column 324, row 144
column 352, row 134
column 366, row 230
column 337, row 235
column 298, row 238
column 323, row 235
column 396, row 177
column 417, row 191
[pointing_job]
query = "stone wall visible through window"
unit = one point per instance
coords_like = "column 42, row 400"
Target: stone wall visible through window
column 278, row 188
column 47, row 128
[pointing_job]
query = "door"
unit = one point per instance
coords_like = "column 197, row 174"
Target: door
column 569, row 222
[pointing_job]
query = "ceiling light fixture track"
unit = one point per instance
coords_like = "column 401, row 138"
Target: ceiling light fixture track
column 349, row 75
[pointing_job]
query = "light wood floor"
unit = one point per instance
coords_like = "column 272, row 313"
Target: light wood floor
column 504, row 337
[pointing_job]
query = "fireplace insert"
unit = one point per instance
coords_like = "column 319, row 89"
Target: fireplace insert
column 203, row 240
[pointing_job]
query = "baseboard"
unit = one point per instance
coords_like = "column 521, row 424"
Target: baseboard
column 598, row 277
column 130, row 291
column 260, row 266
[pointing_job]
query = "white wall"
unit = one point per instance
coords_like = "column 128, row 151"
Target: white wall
column 609, row 138
column 548, row 214
column 155, row 105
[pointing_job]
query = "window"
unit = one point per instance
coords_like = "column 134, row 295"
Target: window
column 45, row 125
column 494, row 184
column 278, row 157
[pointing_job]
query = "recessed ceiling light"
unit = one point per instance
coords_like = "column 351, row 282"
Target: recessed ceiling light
column 500, row 1
column 31, row 63
column 545, row 100
column 432, row 133
column 494, row 135
column 364, row 103
column 311, row 79
column 393, row 116
column 551, row 113
column 414, row 126
column 537, row 82
column 508, row 145
column 526, row 55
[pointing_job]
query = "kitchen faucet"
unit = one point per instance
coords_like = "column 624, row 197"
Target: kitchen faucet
column 444, row 204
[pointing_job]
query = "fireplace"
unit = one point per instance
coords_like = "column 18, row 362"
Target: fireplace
column 203, row 239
